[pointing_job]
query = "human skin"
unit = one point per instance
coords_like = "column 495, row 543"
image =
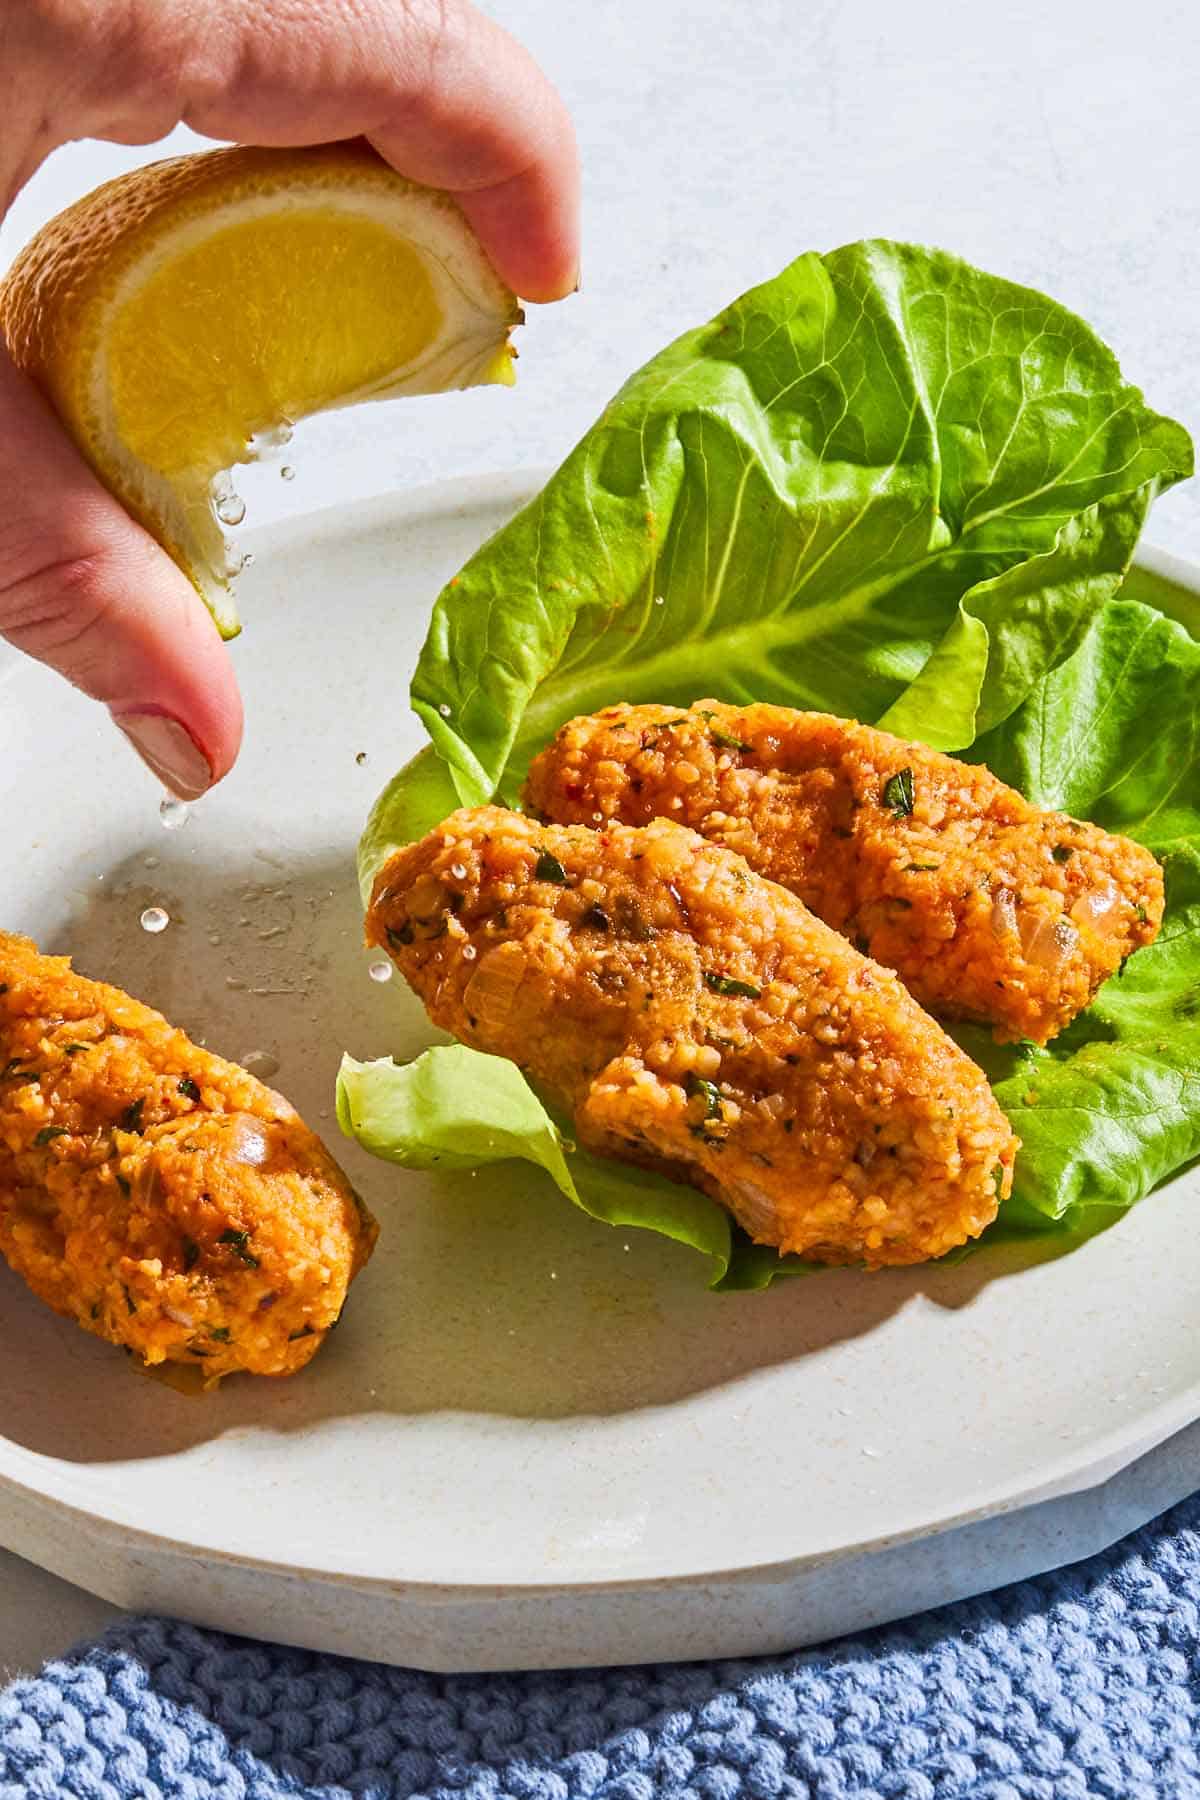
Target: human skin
column 445, row 96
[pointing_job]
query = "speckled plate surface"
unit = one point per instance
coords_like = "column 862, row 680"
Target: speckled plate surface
column 535, row 1440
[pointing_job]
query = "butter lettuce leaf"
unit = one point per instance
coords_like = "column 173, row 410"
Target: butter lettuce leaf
column 455, row 1108
column 883, row 484
column 1112, row 1106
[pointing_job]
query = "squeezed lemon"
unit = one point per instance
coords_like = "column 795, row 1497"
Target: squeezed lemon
column 182, row 317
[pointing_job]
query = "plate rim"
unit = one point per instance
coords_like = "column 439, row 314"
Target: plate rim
column 1108, row 1457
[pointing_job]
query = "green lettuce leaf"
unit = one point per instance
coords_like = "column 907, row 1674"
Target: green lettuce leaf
column 455, row 1108
column 883, row 484
column 1112, row 1106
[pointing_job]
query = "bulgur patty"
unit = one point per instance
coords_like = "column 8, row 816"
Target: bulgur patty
column 159, row 1196
column 695, row 1018
column 988, row 908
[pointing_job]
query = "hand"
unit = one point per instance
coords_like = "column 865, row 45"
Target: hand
column 445, row 95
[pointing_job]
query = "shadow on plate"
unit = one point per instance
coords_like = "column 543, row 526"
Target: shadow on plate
column 488, row 1294
column 464, row 1309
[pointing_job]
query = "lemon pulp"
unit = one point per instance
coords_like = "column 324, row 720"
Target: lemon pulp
column 179, row 315
column 327, row 304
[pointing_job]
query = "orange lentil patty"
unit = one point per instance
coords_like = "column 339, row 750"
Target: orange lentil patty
column 988, row 908
column 159, row 1196
column 695, row 1018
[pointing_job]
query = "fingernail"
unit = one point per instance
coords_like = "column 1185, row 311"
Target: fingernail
column 169, row 750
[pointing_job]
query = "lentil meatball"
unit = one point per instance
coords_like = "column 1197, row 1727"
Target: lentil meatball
column 987, row 907
column 159, row 1196
column 694, row 1018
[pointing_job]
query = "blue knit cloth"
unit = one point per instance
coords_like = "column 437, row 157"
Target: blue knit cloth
column 1080, row 1684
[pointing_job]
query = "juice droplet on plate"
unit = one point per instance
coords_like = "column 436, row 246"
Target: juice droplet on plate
column 155, row 919
column 260, row 1063
column 380, row 969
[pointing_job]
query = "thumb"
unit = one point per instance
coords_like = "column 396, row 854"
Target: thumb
column 84, row 589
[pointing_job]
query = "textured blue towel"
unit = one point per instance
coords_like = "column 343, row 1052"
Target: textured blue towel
column 1080, row 1684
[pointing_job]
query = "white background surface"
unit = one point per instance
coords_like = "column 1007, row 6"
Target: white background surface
column 1055, row 141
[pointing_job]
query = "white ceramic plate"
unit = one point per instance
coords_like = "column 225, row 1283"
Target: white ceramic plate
column 534, row 1440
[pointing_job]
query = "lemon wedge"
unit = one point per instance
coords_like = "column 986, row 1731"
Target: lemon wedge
column 182, row 317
